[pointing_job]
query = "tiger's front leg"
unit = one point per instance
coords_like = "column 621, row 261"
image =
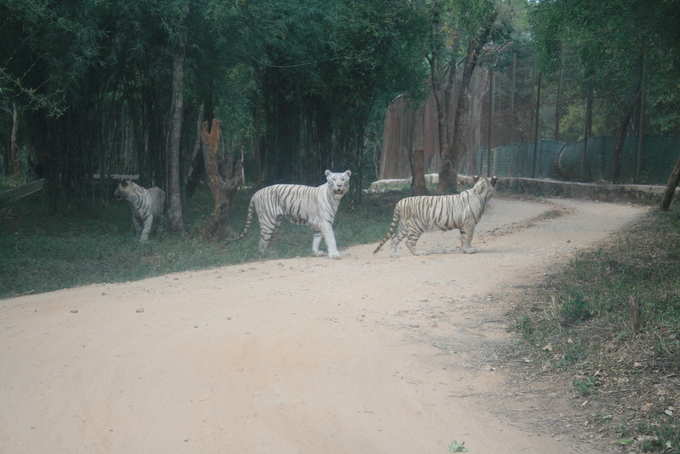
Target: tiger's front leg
column 316, row 242
column 136, row 224
column 466, row 233
column 148, row 222
column 329, row 238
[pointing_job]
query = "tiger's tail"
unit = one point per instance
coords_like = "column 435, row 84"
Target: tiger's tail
column 249, row 220
column 393, row 226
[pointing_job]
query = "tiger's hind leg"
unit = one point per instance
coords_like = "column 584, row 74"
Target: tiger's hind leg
column 466, row 233
column 413, row 237
column 161, row 224
column 268, row 227
column 396, row 239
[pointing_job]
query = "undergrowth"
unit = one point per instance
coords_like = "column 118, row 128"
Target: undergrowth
column 610, row 320
column 79, row 246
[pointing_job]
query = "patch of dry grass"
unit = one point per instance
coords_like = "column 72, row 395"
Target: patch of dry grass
column 609, row 324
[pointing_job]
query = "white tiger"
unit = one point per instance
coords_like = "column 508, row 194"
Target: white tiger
column 415, row 215
column 313, row 205
column 146, row 205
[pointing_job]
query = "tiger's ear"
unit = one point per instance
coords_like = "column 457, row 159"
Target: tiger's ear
column 494, row 180
column 348, row 173
column 475, row 179
column 327, row 173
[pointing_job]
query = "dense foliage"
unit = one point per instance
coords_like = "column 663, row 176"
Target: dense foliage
column 90, row 87
column 608, row 47
column 295, row 83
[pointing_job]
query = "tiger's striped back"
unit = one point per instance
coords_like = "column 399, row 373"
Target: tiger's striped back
column 415, row 215
column 314, row 205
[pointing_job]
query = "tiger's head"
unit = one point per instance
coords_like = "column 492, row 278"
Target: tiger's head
column 338, row 183
column 483, row 186
column 124, row 189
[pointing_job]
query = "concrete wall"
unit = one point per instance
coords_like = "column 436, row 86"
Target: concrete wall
column 634, row 193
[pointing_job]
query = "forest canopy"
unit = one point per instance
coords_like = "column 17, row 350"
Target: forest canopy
column 101, row 87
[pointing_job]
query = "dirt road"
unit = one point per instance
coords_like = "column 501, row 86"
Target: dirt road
column 368, row 354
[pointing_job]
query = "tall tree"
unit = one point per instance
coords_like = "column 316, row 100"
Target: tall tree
column 607, row 38
column 176, row 221
column 459, row 32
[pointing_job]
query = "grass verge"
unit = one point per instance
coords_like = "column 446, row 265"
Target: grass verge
column 39, row 253
column 608, row 324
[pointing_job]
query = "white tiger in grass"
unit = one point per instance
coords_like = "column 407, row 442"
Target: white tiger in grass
column 415, row 215
column 146, row 205
column 313, row 205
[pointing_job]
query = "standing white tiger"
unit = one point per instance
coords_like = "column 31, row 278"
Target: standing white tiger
column 146, row 205
column 313, row 205
column 415, row 215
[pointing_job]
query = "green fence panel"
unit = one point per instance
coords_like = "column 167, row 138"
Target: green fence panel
column 564, row 161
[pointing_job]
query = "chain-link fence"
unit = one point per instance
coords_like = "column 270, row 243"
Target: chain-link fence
column 543, row 126
column 646, row 164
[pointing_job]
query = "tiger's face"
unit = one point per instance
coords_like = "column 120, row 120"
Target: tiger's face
column 338, row 183
column 484, row 186
column 124, row 188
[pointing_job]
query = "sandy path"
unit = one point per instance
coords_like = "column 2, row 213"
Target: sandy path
column 368, row 354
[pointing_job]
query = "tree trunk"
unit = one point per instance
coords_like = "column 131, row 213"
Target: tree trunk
column 514, row 82
column 558, row 98
column 537, row 119
column 587, row 130
column 13, row 165
column 418, row 185
column 618, row 149
column 670, row 187
column 641, row 119
column 620, row 141
column 448, row 173
column 175, row 219
column 489, row 126
column 223, row 185
column 196, row 161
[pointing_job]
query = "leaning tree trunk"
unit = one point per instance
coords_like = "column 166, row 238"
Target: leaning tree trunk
column 223, row 184
column 670, row 187
column 620, row 142
column 175, row 219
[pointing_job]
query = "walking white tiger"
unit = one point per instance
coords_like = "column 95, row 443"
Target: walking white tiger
column 146, row 205
column 313, row 205
column 415, row 215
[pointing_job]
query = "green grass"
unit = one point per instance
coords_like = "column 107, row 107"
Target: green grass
column 612, row 319
column 40, row 253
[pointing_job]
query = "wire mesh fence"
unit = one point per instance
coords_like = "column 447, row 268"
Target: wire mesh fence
column 543, row 126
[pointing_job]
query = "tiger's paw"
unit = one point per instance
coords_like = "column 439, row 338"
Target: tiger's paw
column 318, row 253
column 469, row 250
column 334, row 255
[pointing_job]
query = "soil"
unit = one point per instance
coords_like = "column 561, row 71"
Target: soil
column 367, row 354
